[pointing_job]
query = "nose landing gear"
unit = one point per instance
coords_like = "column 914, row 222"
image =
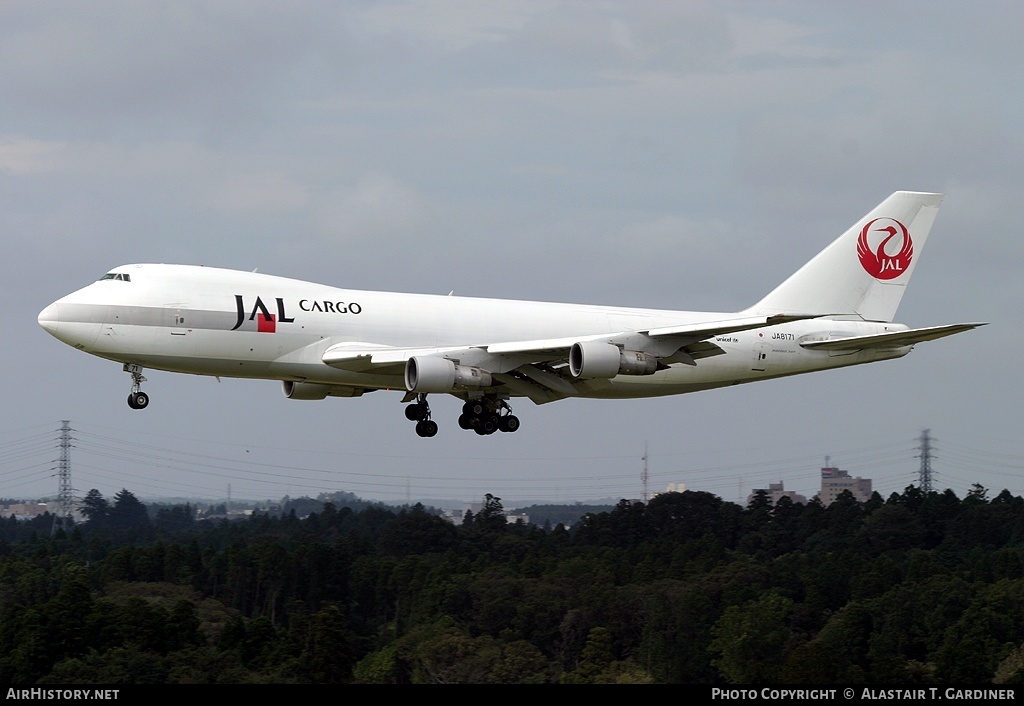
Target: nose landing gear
column 137, row 399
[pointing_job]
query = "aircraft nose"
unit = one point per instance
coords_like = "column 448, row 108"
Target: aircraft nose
column 49, row 319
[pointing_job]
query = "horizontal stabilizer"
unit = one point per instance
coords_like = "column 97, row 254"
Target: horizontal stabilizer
column 892, row 339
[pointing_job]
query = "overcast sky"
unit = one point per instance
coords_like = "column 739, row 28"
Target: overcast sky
column 678, row 155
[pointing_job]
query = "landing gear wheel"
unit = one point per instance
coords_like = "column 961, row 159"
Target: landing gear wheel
column 466, row 421
column 474, row 408
column 508, row 423
column 138, row 400
column 417, row 412
column 426, row 428
column 489, row 423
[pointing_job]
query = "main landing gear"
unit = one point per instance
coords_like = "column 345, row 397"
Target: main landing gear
column 488, row 415
column 137, row 399
column 419, row 412
column 484, row 415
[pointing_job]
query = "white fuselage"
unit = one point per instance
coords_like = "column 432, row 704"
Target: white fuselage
column 322, row 341
column 210, row 321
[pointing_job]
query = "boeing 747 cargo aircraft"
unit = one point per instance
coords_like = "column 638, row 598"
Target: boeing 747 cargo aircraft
column 321, row 341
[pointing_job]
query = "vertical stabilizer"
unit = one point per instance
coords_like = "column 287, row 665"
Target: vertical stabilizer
column 865, row 271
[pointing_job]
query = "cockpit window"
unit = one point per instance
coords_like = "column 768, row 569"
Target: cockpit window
column 117, row 276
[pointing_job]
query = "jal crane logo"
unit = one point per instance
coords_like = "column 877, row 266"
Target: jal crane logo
column 885, row 261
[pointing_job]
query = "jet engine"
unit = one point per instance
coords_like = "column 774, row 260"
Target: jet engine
column 596, row 359
column 317, row 391
column 428, row 374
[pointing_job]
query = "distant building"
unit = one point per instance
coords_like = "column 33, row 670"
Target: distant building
column 457, row 516
column 671, row 488
column 23, row 511
column 835, row 481
column 776, row 492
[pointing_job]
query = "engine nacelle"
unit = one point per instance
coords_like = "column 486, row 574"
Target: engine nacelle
column 317, row 391
column 596, row 359
column 429, row 374
column 304, row 390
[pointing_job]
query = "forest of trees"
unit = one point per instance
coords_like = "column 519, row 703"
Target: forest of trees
column 919, row 588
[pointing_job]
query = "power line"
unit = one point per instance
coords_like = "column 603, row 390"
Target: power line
column 203, row 468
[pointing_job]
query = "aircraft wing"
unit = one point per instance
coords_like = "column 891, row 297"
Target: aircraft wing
column 538, row 369
column 704, row 331
column 892, row 339
column 559, row 347
column 359, row 356
column 507, row 356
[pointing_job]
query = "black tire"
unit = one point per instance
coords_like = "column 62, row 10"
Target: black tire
column 415, row 412
column 426, row 428
column 466, row 421
column 489, row 423
column 131, row 401
column 141, row 400
column 474, row 408
column 509, row 423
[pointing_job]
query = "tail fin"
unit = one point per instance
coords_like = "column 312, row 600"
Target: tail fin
column 865, row 271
